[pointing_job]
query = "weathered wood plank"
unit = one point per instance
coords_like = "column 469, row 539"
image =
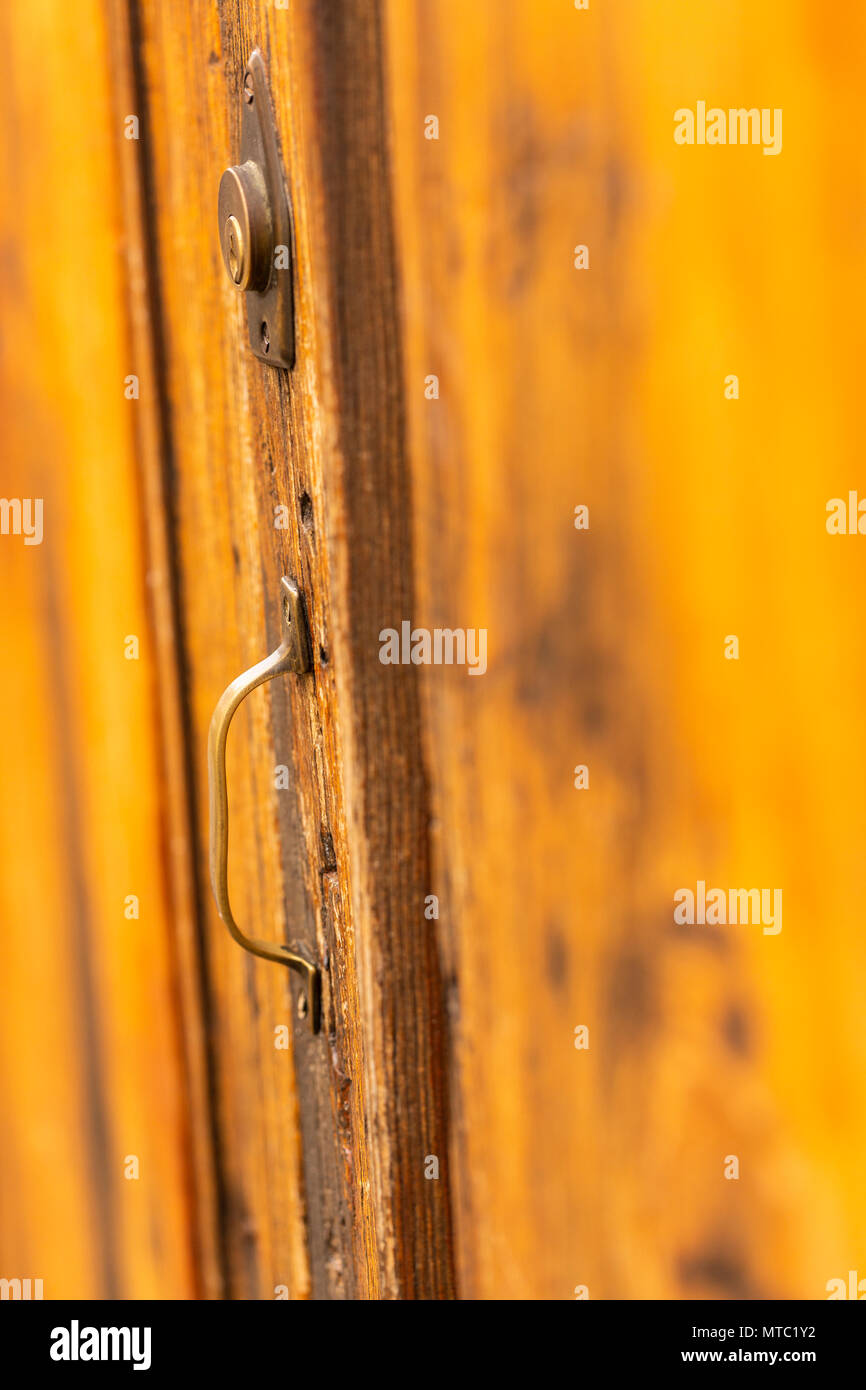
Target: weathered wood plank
column 339, row 864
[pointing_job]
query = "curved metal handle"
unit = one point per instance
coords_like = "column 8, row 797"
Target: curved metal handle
column 293, row 654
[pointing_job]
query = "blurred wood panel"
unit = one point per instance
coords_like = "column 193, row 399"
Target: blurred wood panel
column 92, row 1070
column 605, row 387
column 323, row 1163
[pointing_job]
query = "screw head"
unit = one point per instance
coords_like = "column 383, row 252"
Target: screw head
column 249, row 92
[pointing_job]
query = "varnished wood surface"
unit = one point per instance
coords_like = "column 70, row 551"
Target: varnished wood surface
column 558, row 387
column 92, row 1068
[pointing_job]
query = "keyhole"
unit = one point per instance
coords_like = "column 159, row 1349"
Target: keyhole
column 234, row 249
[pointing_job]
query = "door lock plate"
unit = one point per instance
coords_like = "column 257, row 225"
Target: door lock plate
column 255, row 223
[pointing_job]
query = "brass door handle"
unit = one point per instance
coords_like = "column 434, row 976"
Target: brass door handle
column 293, row 654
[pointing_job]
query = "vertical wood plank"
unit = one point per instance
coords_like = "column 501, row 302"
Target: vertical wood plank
column 338, row 864
column 91, row 1062
column 605, row 387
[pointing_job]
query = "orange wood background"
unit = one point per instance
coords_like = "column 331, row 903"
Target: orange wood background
column 604, row 1168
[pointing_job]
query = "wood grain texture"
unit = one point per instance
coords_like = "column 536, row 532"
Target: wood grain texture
column 266, row 1170
column 322, row 1165
column 605, row 387
column 91, row 1058
column 152, row 451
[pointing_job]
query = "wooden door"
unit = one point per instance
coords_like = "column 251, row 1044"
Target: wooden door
column 560, row 379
